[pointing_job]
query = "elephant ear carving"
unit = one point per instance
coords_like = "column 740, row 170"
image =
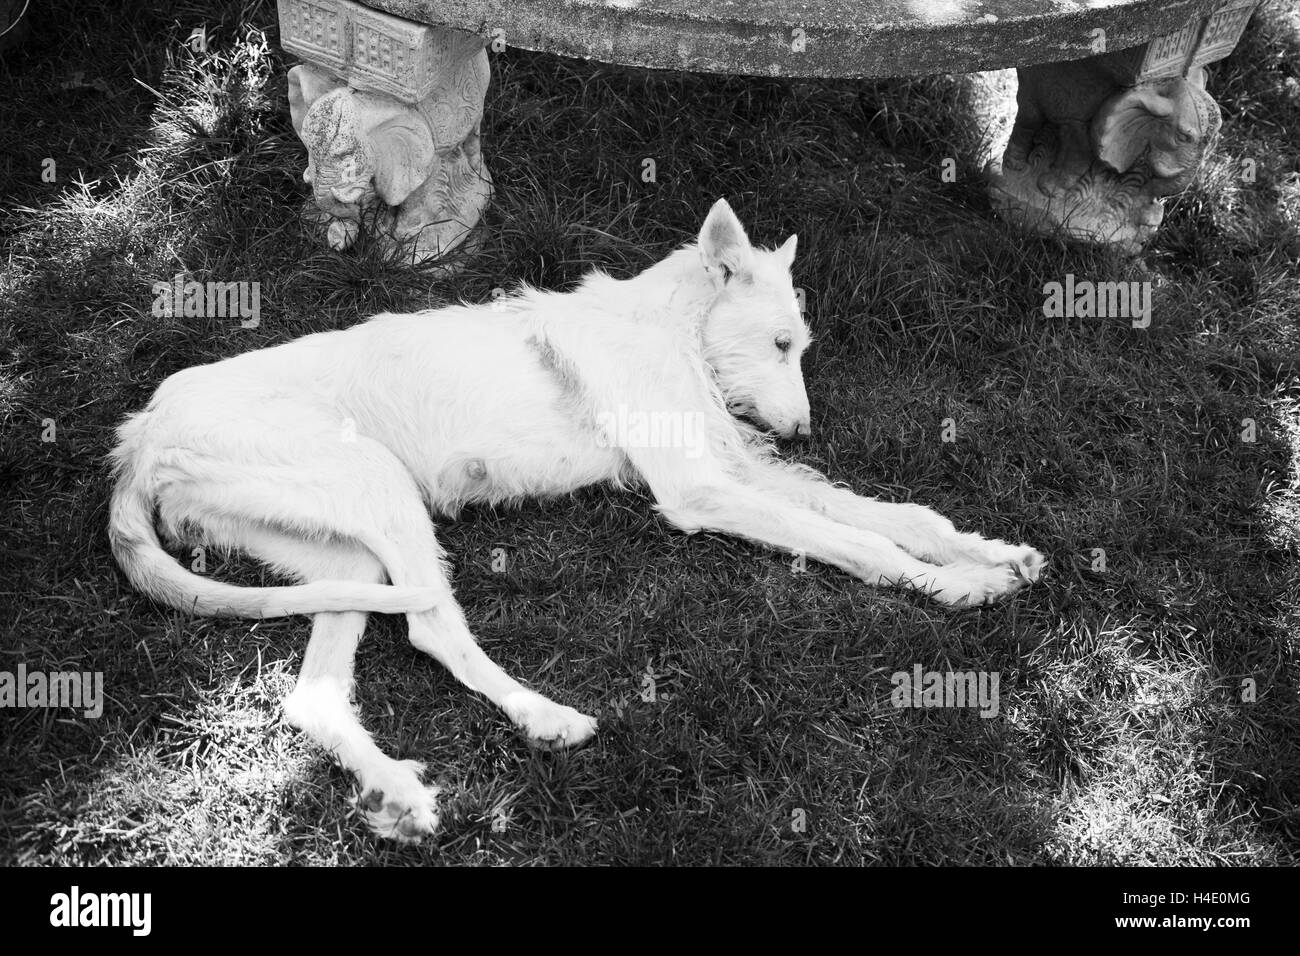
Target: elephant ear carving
column 403, row 147
column 1128, row 123
column 306, row 86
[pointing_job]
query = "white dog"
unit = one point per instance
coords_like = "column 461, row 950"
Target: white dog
column 321, row 458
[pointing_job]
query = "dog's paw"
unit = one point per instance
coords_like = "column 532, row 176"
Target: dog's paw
column 546, row 724
column 976, row 550
column 397, row 806
column 1028, row 562
column 970, row 585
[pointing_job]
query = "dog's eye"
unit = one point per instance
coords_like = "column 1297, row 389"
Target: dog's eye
column 783, row 342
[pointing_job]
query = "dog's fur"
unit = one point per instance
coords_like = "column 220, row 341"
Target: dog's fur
column 321, row 457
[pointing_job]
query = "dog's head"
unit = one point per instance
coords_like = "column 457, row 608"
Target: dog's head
column 754, row 335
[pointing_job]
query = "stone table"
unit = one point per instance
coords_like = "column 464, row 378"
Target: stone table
column 1112, row 109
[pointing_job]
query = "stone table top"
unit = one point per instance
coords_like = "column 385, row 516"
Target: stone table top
column 840, row 38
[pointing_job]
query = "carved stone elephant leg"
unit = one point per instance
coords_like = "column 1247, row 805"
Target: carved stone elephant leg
column 389, row 111
column 1099, row 142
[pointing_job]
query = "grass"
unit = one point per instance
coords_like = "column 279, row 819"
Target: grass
column 1123, row 736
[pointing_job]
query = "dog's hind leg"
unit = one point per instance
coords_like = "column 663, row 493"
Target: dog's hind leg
column 396, row 804
column 444, row 634
column 411, row 555
column 408, row 550
column 361, row 492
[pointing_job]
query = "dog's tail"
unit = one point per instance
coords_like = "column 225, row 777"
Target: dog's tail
column 156, row 573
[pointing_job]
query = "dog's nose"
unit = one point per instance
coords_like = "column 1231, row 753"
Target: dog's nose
column 803, row 429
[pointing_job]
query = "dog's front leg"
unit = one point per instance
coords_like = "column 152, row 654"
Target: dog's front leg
column 918, row 530
column 760, row 516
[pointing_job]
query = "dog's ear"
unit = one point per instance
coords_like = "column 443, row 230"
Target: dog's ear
column 724, row 247
column 787, row 250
